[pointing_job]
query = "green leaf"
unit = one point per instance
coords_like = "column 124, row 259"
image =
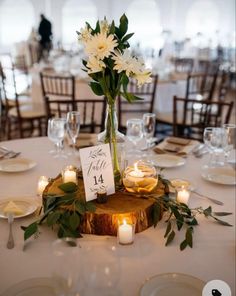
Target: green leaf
column 80, row 207
column 96, row 88
column 123, row 25
column 53, row 217
column 193, row 222
column 170, row 238
column 30, row 230
column 221, row 213
column 112, row 28
column 207, row 212
column 224, row 223
column 90, row 207
column 97, row 29
column 183, row 245
column 168, row 229
column 49, row 201
column 74, row 220
column 130, row 97
column 126, row 37
column 68, row 187
column 189, row 237
column 156, row 213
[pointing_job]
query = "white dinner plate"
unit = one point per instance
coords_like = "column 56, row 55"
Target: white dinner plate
column 15, row 165
column 172, row 284
column 220, row 175
column 168, row 161
column 31, row 287
column 27, row 205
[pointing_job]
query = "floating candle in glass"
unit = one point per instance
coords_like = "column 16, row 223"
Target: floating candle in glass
column 141, row 177
column 42, row 183
column 69, row 174
column 183, row 194
column 125, row 233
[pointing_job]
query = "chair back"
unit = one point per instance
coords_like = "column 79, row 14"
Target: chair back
column 147, row 92
column 92, row 112
column 57, row 86
column 34, row 53
column 183, row 65
column 200, row 84
column 190, row 116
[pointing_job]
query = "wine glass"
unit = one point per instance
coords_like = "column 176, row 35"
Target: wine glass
column 149, row 126
column 134, row 130
column 66, row 267
column 56, row 133
column 73, row 126
column 230, row 130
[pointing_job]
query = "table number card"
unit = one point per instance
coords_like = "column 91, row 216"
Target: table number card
column 97, row 170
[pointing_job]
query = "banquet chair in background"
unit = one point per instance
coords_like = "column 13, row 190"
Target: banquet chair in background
column 92, row 112
column 190, row 116
column 183, row 65
column 136, row 109
column 57, row 86
column 22, row 117
column 200, row 86
column 34, row 53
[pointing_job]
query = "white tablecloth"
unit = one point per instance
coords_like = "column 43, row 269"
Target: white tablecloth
column 212, row 256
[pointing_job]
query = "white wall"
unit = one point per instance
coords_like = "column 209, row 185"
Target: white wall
column 172, row 13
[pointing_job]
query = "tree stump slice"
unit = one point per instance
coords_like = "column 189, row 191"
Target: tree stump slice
column 121, row 205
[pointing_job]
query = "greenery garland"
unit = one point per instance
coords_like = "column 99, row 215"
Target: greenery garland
column 65, row 212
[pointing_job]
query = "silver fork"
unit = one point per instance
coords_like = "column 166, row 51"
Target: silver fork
column 10, row 242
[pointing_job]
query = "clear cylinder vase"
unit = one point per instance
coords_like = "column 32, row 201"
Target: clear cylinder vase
column 116, row 140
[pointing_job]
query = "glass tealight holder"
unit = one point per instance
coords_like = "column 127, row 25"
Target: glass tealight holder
column 42, row 183
column 183, row 194
column 70, row 174
column 141, row 177
column 125, row 233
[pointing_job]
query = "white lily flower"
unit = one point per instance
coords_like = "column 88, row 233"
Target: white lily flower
column 95, row 65
column 85, row 34
column 104, row 26
column 124, row 62
column 100, row 45
column 143, row 77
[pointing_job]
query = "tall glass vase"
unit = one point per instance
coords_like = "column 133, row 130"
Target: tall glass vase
column 116, row 140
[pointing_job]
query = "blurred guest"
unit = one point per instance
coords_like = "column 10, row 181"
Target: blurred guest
column 45, row 33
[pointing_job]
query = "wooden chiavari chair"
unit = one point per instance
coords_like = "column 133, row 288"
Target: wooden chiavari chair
column 190, row 116
column 147, row 92
column 92, row 112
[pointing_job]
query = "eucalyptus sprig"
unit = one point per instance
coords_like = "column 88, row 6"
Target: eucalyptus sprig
column 62, row 212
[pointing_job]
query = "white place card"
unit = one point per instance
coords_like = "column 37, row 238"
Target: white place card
column 97, row 170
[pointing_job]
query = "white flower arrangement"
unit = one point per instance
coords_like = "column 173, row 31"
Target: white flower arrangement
column 108, row 54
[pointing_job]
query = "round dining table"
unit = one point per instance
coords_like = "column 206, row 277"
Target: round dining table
column 211, row 258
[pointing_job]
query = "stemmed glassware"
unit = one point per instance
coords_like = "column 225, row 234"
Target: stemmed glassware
column 56, row 133
column 73, row 126
column 215, row 139
column 134, row 131
column 149, row 125
column 230, row 130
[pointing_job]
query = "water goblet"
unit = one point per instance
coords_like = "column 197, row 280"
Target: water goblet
column 73, row 126
column 134, row 131
column 230, row 130
column 56, row 133
column 149, row 126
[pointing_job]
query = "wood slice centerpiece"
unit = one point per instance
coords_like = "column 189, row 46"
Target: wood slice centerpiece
column 121, row 205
